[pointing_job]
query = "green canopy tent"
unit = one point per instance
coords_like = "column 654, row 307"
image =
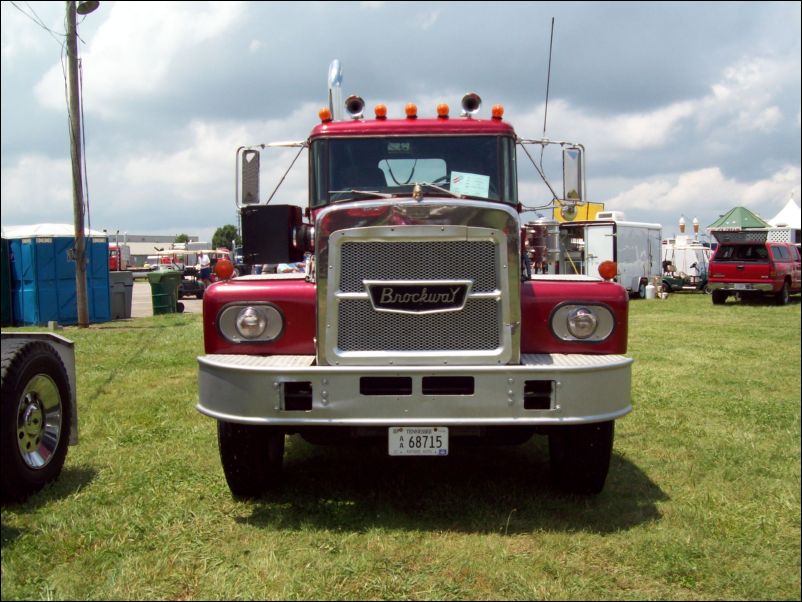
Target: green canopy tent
column 739, row 218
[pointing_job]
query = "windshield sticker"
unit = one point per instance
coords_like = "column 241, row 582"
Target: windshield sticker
column 399, row 148
column 470, row 184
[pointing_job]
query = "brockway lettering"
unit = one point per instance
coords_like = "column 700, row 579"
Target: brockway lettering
column 389, row 296
column 418, row 297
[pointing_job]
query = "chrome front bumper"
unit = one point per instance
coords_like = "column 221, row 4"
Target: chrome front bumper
column 251, row 390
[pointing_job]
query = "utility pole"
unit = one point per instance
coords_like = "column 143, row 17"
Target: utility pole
column 77, row 171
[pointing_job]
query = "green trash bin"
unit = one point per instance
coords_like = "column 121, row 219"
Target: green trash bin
column 164, row 291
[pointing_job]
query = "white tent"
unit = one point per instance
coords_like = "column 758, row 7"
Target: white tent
column 46, row 230
column 789, row 217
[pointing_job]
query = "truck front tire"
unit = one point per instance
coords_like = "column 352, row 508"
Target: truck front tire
column 252, row 457
column 580, row 456
column 36, row 417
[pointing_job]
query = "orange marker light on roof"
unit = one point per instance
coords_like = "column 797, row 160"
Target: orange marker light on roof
column 381, row 111
column 442, row 110
column 411, row 110
column 608, row 269
column 498, row 111
column 324, row 114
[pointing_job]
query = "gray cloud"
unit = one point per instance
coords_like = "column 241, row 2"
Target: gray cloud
column 668, row 97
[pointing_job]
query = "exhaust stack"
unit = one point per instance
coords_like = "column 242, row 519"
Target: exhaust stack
column 335, row 90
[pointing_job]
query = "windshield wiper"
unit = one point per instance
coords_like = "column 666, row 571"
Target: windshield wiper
column 368, row 193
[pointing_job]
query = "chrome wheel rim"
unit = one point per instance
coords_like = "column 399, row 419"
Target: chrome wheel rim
column 39, row 418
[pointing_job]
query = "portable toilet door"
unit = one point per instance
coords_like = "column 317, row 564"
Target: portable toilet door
column 43, row 280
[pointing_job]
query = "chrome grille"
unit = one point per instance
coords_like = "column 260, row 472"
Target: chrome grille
column 477, row 327
column 419, row 260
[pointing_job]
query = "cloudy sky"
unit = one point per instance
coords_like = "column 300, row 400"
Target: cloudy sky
column 684, row 108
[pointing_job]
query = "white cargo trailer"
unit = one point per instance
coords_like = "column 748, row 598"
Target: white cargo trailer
column 634, row 246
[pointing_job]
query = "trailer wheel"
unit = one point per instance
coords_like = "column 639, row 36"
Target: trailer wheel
column 579, row 456
column 36, row 417
column 252, row 457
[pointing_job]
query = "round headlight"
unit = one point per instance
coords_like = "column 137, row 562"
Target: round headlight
column 582, row 323
column 251, row 322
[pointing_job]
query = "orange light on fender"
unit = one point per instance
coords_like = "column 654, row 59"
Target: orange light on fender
column 498, row 111
column 381, row 111
column 324, row 114
column 224, row 269
column 411, row 110
column 442, row 110
column 608, row 269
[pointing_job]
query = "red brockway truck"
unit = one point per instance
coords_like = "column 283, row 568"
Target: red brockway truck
column 416, row 322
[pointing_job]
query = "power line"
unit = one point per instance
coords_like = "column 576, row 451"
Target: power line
column 58, row 36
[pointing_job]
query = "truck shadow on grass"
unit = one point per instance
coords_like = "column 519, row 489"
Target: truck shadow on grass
column 502, row 490
column 70, row 481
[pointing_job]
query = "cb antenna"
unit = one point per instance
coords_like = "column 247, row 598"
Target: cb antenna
column 548, row 84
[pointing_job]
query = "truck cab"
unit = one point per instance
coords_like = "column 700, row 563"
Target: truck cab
column 415, row 323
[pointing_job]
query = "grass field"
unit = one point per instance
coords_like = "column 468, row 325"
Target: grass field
column 702, row 501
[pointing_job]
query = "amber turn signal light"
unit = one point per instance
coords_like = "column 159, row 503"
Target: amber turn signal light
column 224, row 269
column 608, row 269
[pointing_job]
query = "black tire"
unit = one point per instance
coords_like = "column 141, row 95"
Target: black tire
column 580, row 456
column 784, row 296
column 252, row 457
column 36, row 417
column 719, row 297
column 666, row 287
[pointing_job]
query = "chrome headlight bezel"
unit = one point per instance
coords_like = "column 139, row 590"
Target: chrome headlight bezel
column 260, row 322
column 570, row 321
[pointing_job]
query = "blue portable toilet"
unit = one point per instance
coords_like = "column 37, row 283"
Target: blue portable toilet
column 43, row 274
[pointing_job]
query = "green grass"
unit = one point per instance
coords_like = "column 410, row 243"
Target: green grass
column 702, row 501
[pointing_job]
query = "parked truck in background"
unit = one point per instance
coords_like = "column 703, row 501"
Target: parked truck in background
column 415, row 323
column 119, row 257
column 747, row 264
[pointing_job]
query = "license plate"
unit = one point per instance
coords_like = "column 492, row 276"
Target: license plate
column 742, row 287
column 417, row 441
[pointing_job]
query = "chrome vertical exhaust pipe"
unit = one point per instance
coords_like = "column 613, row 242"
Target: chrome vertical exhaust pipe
column 335, row 90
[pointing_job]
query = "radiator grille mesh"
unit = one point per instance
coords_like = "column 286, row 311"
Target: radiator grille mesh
column 426, row 260
column 477, row 327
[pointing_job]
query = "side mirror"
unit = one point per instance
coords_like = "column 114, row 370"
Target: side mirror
column 250, row 177
column 573, row 172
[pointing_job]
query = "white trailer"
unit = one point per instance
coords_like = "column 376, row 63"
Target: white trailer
column 634, row 246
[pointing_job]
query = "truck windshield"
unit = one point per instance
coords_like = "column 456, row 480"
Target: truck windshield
column 469, row 166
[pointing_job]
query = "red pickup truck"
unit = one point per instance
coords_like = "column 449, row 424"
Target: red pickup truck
column 745, row 268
